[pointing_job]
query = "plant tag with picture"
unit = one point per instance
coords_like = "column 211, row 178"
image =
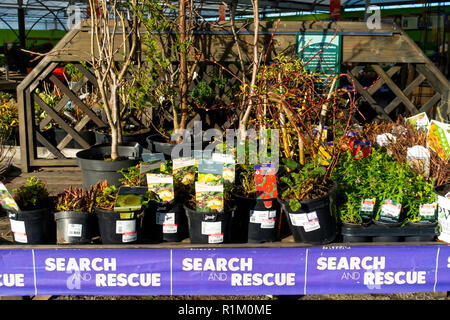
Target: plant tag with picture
column 428, row 211
column 348, row 140
column 385, row 139
column 7, row 201
column 129, row 199
column 361, row 149
column 210, row 172
column 209, row 197
column 419, row 121
column 390, row 211
column 266, row 183
column 228, row 166
column 367, row 206
column 438, row 139
column 162, row 186
column 186, row 168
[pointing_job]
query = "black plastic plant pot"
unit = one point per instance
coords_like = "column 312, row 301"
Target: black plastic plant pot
column 253, row 222
column 105, row 138
column 32, row 226
column 94, row 168
column 117, row 230
column 165, row 222
column 156, row 144
column 313, row 222
column 349, row 237
column 87, row 135
column 387, row 224
column 209, row 228
column 74, row 227
column 420, row 238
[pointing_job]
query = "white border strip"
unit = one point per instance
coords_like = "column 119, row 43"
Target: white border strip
column 436, row 270
column 306, row 269
column 34, row 273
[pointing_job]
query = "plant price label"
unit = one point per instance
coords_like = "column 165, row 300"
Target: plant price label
column 74, row 229
column 210, row 228
column 391, row 209
column 129, row 236
column 165, row 218
column 298, row 219
column 215, row 238
column 125, row 226
column 268, row 223
column 367, row 206
column 170, row 228
column 428, row 210
column 18, row 228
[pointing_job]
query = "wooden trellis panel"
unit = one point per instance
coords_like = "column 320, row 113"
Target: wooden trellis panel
column 360, row 45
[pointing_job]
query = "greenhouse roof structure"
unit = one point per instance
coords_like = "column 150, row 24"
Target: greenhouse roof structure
column 53, row 15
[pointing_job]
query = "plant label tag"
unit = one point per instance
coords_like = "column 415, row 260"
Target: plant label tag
column 74, row 229
column 228, row 164
column 367, row 207
column 419, row 121
column 125, row 226
column 170, row 228
column 186, row 168
column 361, row 149
column 129, row 236
column 151, row 157
column 162, row 185
column 298, row 219
column 385, row 139
column 418, row 158
column 18, row 228
column 266, row 183
column 258, row 216
column 215, row 238
column 7, row 201
column 268, row 223
column 312, row 223
column 129, row 199
column 438, row 139
column 390, row 211
column 428, row 211
column 165, row 218
column 209, row 197
column 211, row 227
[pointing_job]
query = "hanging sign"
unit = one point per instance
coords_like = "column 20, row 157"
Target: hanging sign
column 320, row 51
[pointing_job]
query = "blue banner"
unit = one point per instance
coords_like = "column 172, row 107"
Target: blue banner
column 208, row 271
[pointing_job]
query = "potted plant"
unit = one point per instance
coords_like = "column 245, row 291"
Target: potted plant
column 74, row 216
column 32, row 223
column 113, row 56
column 115, row 227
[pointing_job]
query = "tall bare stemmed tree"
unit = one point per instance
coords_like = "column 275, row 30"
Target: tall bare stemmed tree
column 113, row 52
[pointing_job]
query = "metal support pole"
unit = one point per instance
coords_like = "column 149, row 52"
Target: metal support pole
column 22, row 35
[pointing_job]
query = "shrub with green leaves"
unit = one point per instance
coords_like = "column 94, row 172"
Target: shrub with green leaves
column 381, row 177
column 32, row 195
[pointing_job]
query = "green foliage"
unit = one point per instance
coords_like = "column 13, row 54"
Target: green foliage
column 381, row 177
column 32, row 195
column 73, row 72
column 300, row 180
column 105, row 195
column 132, row 176
column 76, row 199
column 9, row 115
